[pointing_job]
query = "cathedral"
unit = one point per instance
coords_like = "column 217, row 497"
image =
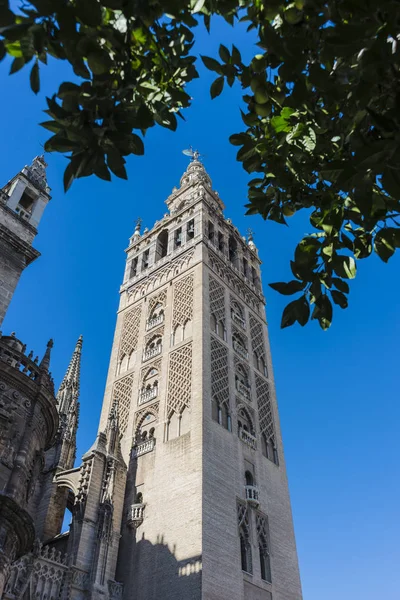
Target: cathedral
column 183, row 494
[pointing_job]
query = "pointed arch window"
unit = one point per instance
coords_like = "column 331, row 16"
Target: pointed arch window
column 242, row 382
column 239, row 345
column 153, row 348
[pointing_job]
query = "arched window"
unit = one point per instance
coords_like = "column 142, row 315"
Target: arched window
column 146, row 426
column 162, row 245
column 139, row 498
column 220, row 414
column 153, row 347
column 156, row 316
column 177, row 335
column 245, row 553
column 232, row 250
column 249, row 478
column 239, row 344
column 238, row 315
column 265, row 563
column 263, row 366
column 245, row 422
column 242, row 382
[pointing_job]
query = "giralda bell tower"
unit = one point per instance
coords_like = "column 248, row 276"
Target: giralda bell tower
column 206, row 512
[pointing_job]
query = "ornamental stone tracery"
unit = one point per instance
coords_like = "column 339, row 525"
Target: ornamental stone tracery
column 217, row 300
column 122, row 394
column 183, row 301
column 130, row 331
column 179, row 380
column 264, row 408
column 219, row 372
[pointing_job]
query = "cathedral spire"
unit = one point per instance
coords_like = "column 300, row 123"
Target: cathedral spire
column 68, row 392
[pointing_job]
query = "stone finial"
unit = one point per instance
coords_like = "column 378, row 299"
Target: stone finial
column 136, row 234
column 250, row 240
column 45, row 362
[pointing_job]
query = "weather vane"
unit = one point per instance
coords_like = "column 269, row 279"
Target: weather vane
column 250, row 234
column 194, row 154
column 138, row 223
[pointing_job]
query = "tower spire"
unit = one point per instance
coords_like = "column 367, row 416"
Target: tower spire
column 68, row 392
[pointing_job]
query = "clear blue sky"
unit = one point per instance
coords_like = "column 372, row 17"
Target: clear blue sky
column 337, row 390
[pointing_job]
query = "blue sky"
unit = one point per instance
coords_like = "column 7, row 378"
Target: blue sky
column 337, row 390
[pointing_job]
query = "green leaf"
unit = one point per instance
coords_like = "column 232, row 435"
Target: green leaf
column 16, row 65
column 383, row 245
column 211, row 64
column 391, row 182
column 280, row 124
column 238, row 139
column 52, row 126
column 339, row 299
column 99, row 62
column 2, row 50
column 89, row 12
column 287, row 289
column 323, row 311
column 224, row 53
column 298, row 310
column 216, row 87
column 35, row 78
column 341, row 285
column 344, row 266
column 198, row 5
column 116, row 163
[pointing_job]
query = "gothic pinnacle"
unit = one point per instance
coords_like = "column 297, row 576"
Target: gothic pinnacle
column 45, row 362
column 69, row 389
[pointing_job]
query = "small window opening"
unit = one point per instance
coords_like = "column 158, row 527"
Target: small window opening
column 245, row 268
column 221, row 242
column 162, row 244
column 210, row 231
column 190, row 229
column 26, row 201
column 145, row 259
column 134, row 265
column 178, row 237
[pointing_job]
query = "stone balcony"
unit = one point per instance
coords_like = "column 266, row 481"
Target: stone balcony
column 252, row 495
column 152, row 352
column 144, row 447
column 136, row 515
column 244, row 390
column 236, row 318
column 248, row 438
column 154, row 322
column 147, row 395
column 240, row 350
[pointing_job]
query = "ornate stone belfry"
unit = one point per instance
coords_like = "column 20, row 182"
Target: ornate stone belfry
column 22, row 202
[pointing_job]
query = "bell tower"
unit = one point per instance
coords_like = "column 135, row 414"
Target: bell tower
column 206, row 512
column 22, row 202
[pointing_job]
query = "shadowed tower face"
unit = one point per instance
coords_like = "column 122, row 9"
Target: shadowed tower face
column 22, row 202
column 206, row 511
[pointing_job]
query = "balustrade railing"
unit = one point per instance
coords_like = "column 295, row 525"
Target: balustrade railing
column 136, row 515
column 144, row 447
column 152, row 352
column 239, row 349
column 147, row 395
column 248, row 438
column 155, row 321
column 252, row 495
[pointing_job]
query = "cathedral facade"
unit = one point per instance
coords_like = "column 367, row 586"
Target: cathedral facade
column 184, row 493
